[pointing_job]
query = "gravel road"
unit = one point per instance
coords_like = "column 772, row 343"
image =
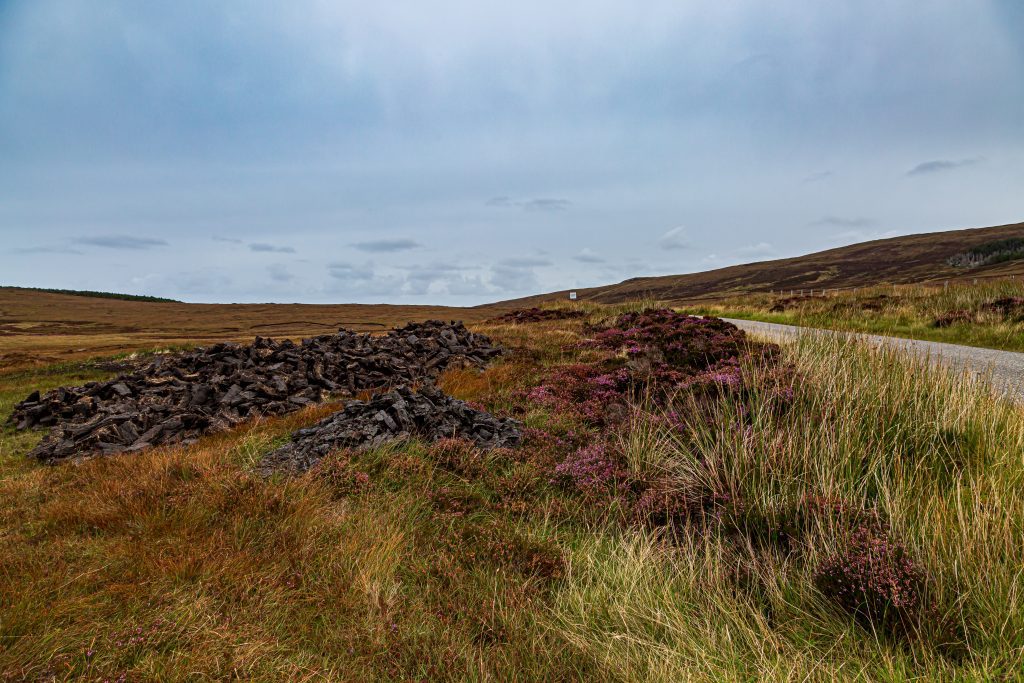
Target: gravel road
column 1004, row 368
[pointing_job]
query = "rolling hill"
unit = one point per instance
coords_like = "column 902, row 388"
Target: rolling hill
column 908, row 259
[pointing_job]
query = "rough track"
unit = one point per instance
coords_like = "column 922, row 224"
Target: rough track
column 1005, row 369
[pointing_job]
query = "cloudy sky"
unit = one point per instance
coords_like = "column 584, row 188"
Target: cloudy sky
column 457, row 152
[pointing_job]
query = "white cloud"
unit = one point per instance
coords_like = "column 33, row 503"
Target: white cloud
column 676, row 238
column 587, row 255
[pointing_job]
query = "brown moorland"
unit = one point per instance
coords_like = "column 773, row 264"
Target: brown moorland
column 38, row 327
column 42, row 327
column 910, row 259
column 663, row 520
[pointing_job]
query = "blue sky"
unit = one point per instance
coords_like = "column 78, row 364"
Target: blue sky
column 454, row 152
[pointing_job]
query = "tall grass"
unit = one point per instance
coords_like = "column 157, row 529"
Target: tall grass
column 935, row 455
column 179, row 562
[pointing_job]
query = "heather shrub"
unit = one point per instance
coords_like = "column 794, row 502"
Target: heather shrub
column 678, row 339
column 545, row 448
column 874, row 579
column 665, row 352
column 593, row 394
column 757, row 372
column 516, row 489
column 591, row 470
column 1007, row 307
column 725, row 376
column 457, row 501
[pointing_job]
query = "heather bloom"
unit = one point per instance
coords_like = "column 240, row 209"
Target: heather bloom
column 726, row 375
column 875, row 579
column 682, row 340
column 674, row 420
column 541, row 394
column 589, row 470
column 583, row 390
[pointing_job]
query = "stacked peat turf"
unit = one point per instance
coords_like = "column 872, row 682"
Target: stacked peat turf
column 398, row 414
column 536, row 315
column 180, row 397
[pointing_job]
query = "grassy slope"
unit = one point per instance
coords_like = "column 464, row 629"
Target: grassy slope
column 180, row 562
column 900, row 311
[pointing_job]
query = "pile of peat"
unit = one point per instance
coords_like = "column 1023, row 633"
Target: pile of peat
column 180, row 397
column 398, row 414
column 536, row 315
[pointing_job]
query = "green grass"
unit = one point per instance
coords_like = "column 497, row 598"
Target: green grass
column 908, row 311
column 181, row 564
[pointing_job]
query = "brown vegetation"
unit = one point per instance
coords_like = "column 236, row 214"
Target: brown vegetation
column 898, row 260
column 38, row 328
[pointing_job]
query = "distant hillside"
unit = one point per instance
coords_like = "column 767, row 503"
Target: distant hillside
column 957, row 254
column 98, row 295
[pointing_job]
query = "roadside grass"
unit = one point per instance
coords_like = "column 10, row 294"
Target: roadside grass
column 735, row 598
column 909, row 311
column 421, row 562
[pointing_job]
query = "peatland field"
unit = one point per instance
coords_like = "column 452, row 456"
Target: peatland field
column 620, row 493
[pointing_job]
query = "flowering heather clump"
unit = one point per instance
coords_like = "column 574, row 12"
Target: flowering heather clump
column 595, row 395
column 782, row 392
column 1006, row 306
column 725, row 375
column 590, row 470
column 456, row 501
column 875, row 580
column 683, row 341
column 664, row 351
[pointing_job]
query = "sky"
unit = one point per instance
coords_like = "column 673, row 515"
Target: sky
column 459, row 153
